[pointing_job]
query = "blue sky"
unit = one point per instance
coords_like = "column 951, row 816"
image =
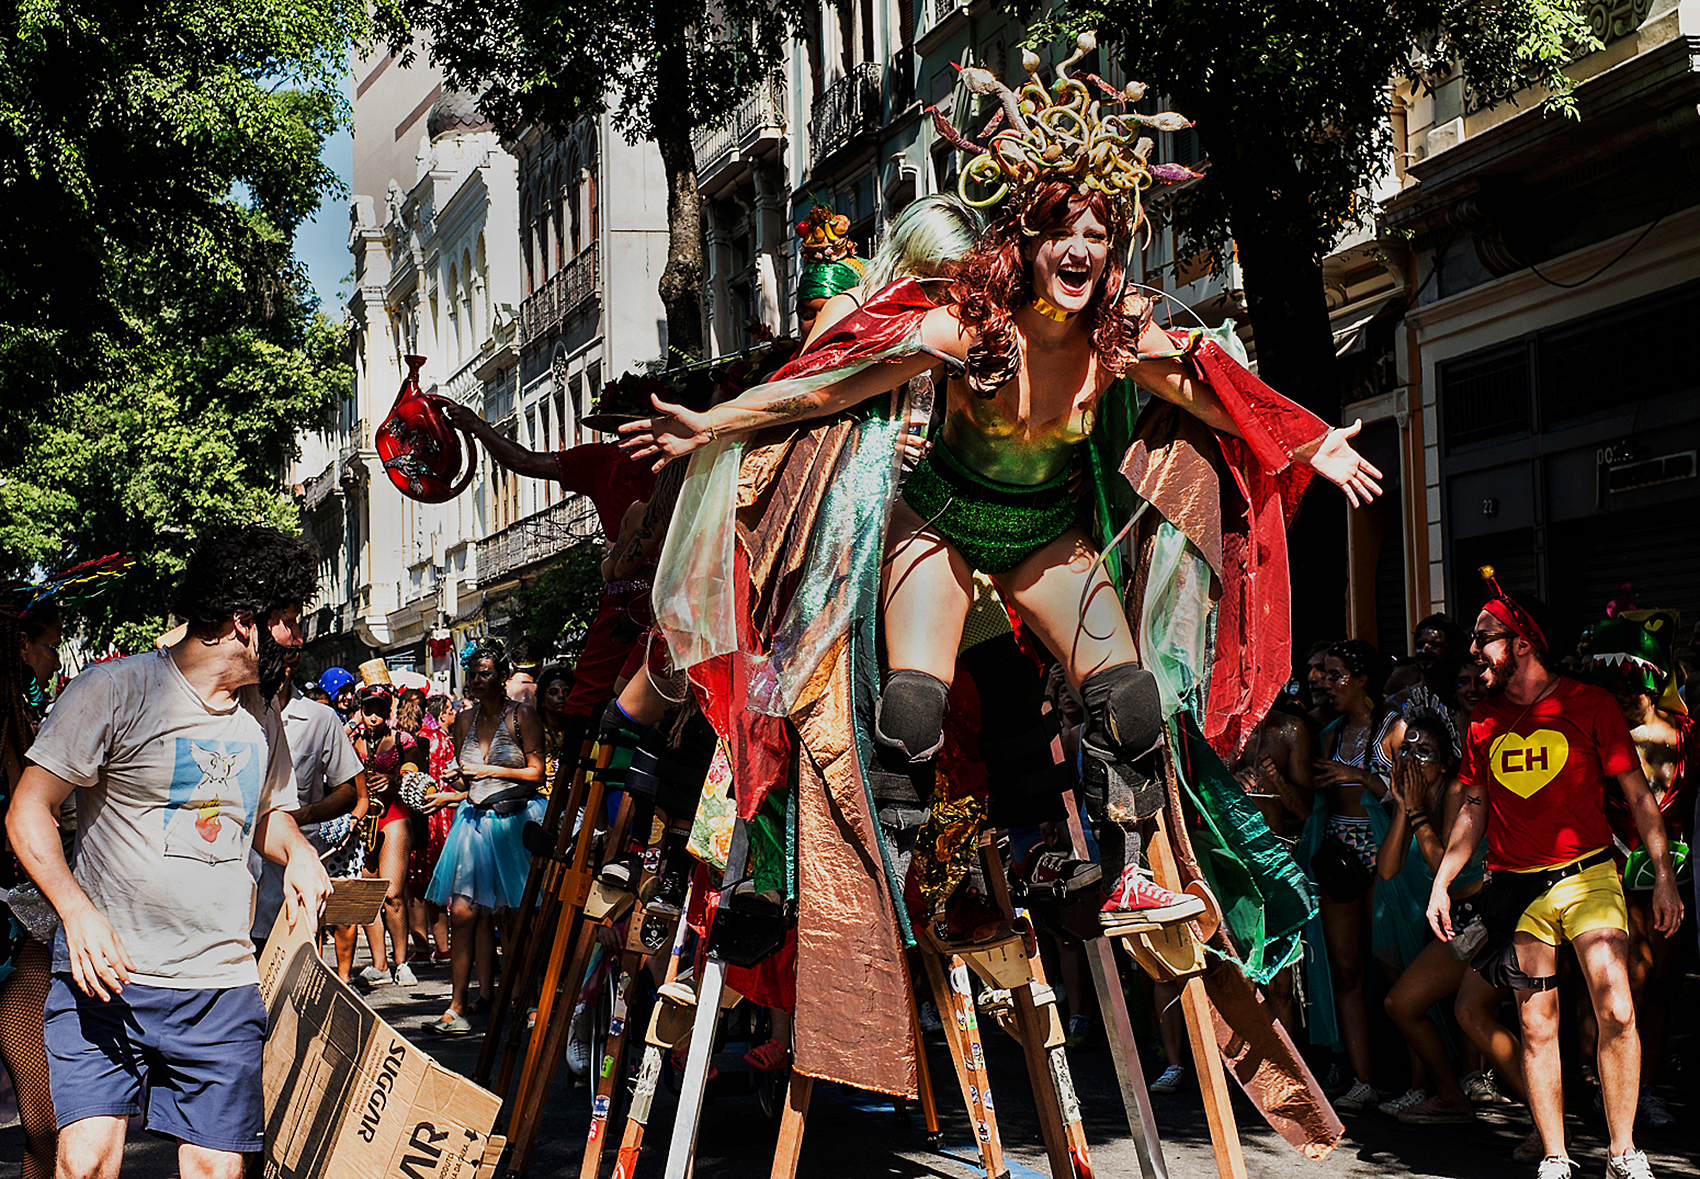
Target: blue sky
column 322, row 241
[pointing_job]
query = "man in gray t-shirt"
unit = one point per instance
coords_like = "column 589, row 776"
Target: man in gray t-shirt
column 181, row 767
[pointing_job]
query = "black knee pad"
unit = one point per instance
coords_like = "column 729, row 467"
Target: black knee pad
column 908, row 734
column 1124, row 713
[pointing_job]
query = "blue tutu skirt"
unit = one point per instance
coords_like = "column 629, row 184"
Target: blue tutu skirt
column 483, row 857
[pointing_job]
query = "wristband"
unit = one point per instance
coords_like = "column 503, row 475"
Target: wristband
column 713, row 434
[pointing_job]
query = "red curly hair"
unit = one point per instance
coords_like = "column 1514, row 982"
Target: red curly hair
column 996, row 277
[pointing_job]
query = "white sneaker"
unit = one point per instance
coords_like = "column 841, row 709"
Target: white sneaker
column 403, row 976
column 1404, row 1101
column 1170, row 1081
column 1632, row 1165
column 1358, row 1098
column 373, row 977
column 1556, row 1167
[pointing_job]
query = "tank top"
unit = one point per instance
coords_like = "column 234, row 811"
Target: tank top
column 504, row 752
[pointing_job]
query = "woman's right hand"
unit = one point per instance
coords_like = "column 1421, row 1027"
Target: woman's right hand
column 673, row 433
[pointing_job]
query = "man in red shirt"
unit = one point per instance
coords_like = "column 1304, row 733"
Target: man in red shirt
column 1537, row 758
column 614, row 483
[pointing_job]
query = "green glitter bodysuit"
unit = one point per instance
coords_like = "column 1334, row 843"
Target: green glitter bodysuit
column 994, row 523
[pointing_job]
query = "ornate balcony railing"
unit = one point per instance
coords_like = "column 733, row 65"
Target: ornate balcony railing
column 536, row 538
column 939, row 11
column 566, row 292
column 760, row 115
column 849, row 109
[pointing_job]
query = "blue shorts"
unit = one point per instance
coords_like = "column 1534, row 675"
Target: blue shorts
column 197, row 1054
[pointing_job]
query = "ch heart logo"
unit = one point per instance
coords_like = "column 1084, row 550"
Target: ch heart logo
column 1523, row 765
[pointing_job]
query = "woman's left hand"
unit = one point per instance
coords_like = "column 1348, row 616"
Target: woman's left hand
column 1336, row 461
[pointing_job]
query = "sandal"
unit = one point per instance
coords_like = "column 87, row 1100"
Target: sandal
column 769, row 1057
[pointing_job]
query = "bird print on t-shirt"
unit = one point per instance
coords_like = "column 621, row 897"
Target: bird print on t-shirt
column 214, row 789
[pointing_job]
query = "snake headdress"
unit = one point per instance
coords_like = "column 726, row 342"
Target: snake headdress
column 1040, row 134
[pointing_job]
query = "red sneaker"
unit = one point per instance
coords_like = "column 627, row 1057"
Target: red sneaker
column 1138, row 902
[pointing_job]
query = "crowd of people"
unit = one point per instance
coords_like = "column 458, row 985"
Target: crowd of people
column 1491, row 829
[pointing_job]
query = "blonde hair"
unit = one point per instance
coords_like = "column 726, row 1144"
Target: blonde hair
column 928, row 232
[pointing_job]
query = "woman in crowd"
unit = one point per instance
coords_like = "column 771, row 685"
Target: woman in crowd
column 1337, row 850
column 25, row 963
column 925, row 241
column 1426, row 795
column 554, row 685
column 484, row 864
column 427, row 923
column 388, row 753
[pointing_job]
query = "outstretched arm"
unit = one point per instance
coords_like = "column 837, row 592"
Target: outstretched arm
column 676, row 431
column 536, row 463
column 1330, row 455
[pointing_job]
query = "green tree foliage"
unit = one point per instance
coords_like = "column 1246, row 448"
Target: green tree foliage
column 665, row 67
column 559, row 606
column 1290, row 102
column 159, row 345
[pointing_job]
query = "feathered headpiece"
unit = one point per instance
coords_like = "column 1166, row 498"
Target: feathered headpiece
column 1062, row 133
column 1422, row 704
column 74, row 584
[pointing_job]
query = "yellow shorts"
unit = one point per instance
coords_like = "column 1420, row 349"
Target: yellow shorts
column 1576, row 905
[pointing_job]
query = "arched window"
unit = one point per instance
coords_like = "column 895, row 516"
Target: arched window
column 452, row 293
column 484, row 301
column 530, row 254
column 555, row 200
column 467, row 302
column 541, row 229
column 573, row 195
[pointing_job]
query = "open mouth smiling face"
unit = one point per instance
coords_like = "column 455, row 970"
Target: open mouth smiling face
column 1069, row 260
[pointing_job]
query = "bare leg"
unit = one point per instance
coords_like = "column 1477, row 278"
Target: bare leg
column 439, row 921
column 1541, row 1067
column 1433, row 976
column 924, row 598
column 1343, row 928
column 1063, row 593
column 346, row 937
column 1649, row 982
column 392, row 869
column 92, row 1148
column 197, row 1162
column 1603, row 955
column 463, row 921
column 1477, row 1009
column 1171, row 1022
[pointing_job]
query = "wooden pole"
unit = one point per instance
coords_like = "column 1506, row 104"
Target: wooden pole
column 790, row 1145
column 523, row 955
column 962, row 1036
column 1118, row 1031
column 1201, row 1030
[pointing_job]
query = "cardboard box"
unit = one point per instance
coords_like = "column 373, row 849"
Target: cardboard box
column 346, row 1094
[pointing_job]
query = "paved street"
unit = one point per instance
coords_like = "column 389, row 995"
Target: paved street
column 854, row 1135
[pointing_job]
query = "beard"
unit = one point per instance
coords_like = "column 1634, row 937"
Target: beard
column 276, row 662
column 1500, row 673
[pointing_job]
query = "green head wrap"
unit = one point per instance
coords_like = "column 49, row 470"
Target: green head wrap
column 823, row 280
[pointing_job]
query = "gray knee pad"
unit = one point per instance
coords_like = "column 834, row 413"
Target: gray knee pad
column 1124, row 713
column 908, row 734
column 1123, row 780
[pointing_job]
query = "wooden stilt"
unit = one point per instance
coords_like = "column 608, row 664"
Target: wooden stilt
column 565, row 797
column 962, row 1036
column 1201, row 1030
column 1118, row 1031
column 649, row 1075
column 682, row 1147
column 924, row 1078
column 790, row 1145
column 1034, row 1032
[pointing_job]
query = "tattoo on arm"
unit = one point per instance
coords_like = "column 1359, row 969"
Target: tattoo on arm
column 786, row 407
column 1474, row 800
